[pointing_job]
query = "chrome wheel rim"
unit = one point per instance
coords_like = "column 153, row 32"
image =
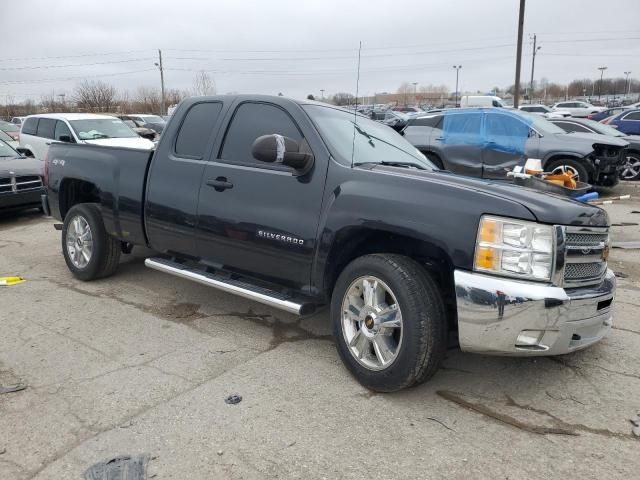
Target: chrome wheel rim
column 562, row 169
column 79, row 242
column 372, row 323
column 631, row 168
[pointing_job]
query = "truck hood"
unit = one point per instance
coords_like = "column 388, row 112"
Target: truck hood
column 583, row 142
column 20, row 166
column 545, row 207
column 133, row 142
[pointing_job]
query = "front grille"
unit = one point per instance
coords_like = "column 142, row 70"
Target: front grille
column 20, row 183
column 585, row 256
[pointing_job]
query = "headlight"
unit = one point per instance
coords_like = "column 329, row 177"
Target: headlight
column 514, row 248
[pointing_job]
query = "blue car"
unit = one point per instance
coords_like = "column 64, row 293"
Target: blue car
column 597, row 116
column 627, row 122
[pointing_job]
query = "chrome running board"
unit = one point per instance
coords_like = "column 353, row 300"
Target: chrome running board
column 242, row 289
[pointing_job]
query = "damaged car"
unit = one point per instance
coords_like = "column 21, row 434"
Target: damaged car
column 488, row 143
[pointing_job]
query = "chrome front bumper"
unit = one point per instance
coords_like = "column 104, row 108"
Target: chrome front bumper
column 494, row 312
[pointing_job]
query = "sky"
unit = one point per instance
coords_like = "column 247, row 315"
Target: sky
column 302, row 47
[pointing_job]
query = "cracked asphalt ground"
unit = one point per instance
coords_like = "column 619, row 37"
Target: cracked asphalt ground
column 141, row 363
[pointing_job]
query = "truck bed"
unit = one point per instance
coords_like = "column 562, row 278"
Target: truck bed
column 117, row 177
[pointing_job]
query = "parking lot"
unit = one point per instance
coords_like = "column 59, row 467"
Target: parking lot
column 141, row 363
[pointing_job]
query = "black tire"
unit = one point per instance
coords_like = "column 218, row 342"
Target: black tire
column 576, row 165
column 435, row 159
column 634, row 158
column 105, row 256
column 424, row 323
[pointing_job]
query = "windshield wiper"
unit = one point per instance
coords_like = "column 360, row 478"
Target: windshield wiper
column 393, row 164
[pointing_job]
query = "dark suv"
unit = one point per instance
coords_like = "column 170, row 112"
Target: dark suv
column 487, row 142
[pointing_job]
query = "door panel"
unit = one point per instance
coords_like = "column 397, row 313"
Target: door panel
column 459, row 143
column 174, row 181
column 257, row 217
column 505, row 145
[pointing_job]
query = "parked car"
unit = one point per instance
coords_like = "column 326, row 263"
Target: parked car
column 38, row 131
column 10, row 129
column 21, row 183
column 631, row 168
column 154, row 122
column 8, row 140
column 609, row 112
column 577, row 109
column 398, row 120
column 17, row 120
column 295, row 205
column 488, row 142
column 407, row 109
column 481, row 101
column 544, row 111
column 627, row 122
column 147, row 133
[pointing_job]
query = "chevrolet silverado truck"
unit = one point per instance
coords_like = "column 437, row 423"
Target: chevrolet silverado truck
column 297, row 205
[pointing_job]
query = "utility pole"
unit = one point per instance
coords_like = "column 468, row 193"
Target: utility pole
column 602, row 69
column 159, row 65
column 533, row 66
column 627, row 85
column 457, row 67
column 415, row 92
column 516, row 95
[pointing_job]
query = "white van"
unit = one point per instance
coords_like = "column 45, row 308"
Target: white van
column 38, row 131
column 481, row 101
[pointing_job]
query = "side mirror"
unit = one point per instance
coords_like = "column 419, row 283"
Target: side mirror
column 65, row 138
column 279, row 149
column 149, row 136
column 25, row 151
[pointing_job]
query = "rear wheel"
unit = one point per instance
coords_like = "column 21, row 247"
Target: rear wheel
column 389, row 322
column 88, row 250
column 631, row 169
column 568, row 165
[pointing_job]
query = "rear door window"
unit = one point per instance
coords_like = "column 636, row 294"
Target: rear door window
column 463, row 128
column 30, row 126
column 632, row 116
column 196, row 130
column 46, row 127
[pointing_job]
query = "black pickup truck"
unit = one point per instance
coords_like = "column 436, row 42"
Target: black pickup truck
column 298, row 204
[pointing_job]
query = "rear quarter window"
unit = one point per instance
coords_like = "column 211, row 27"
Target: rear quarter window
column 434, row 121
column 30, row 126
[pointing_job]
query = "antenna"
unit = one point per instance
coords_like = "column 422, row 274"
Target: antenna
column 355, row 110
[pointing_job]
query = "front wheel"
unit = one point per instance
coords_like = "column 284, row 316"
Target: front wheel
column 569, row 165
column 88, row 250
column 389, row 322
column 631, row 168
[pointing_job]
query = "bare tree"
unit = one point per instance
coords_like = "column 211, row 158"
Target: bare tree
column 95, row 96
column 203, row 84
column 342, row 98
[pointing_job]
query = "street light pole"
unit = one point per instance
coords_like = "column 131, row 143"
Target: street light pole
column 322, row 94
column 415, row 92
column 457, row 67
column 626, row 83
column 602, row 69
column 516, row 96
column 533, row 66
column 159, row 65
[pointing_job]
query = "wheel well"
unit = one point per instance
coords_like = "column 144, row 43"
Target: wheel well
column 73, row 191
column 352, row 243
column 437, row 159
column 588, row 167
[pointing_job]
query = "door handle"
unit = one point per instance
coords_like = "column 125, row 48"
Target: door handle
column 439, row 138
column 220, row 184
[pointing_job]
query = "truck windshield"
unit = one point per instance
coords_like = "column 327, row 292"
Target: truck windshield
column 6, row 150
column 371, row 142
column 97, row 128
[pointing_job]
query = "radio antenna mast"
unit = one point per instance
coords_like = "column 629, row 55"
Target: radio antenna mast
column 355, row 110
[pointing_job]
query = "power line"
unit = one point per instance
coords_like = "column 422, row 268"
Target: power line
column 73, row 56
column 81, row 77
column 77, row 64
